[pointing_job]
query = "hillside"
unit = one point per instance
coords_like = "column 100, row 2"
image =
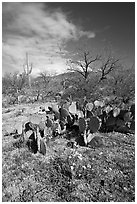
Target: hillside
column 79, row 174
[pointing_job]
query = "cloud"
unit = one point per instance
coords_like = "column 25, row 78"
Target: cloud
column 38, row 30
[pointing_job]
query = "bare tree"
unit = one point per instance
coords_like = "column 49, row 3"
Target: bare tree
column 84, row 66
column 45, row 77
column 93, row 70
column 123, row 84
column 107, row 67
column 13, row 84
column 40, row 85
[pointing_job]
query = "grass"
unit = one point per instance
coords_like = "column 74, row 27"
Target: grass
column 68, row 174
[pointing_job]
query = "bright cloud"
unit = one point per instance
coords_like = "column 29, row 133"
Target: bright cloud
column 40, row 31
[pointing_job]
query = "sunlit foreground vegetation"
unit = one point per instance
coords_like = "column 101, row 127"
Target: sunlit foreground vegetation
column 67, row 172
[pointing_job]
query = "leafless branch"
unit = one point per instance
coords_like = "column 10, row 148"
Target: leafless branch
column 108, row 67
column 83, row 67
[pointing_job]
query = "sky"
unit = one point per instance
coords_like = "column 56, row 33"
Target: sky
column 51, row 33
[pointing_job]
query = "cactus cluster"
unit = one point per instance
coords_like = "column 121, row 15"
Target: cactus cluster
column 85, row 125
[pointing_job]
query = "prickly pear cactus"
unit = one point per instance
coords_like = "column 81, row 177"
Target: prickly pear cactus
column 19, row 128
column 123, row 129
column 57, row 115
column 42, row 146
column 66, row 105
column 35, row 119
column 62, row 124
column 94, row 124
column 90, row 136
column 82, row 125
column 132, row 126
column 89, row 114
column 49, row 122
column 111, row 121
column 132, row 109
column 41, row 125
column 120, row 123
column 73, row 108
column 54, row 107
column 89, row 106
column 127, row 117
column 116, row 112
column 69, row 120
column 96, row 141
column 63, row 113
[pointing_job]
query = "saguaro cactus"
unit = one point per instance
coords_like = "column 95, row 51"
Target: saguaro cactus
column 28, row 69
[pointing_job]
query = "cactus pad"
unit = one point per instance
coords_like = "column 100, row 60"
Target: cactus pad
column 42, row 147
column 96, row 141
column 108, row 109
column 90, row 137
column 69, row 120
column 80, row 114
column 62, row 125
column 132, row 125
column 120, row 123
column 72, row 108
column 116, row 112
column 49, row 122
column 57, row 115
column 132, row 109
column 19, row 128
column 82, row 125
column 93, row 124
column 121, row 114
column 35, row 119
column 41, row 125
column 98, row 103
column 123, row 129
column 66, row 105
column 89, row 106
column 54, row 107
column 63, row 113
column 111, row 121
column 89, row 114
column 127, row 117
